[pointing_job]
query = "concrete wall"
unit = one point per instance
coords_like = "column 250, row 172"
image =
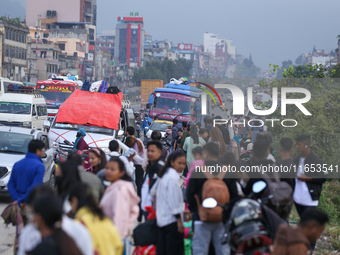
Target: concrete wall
column 70, row 46
column 67, row 10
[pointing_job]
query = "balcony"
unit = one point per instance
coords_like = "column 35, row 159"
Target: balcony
column 88, row 12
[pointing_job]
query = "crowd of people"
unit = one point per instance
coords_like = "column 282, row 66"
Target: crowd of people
column 99, row 200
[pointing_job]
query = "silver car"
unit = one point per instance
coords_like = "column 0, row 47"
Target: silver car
column 14, row 146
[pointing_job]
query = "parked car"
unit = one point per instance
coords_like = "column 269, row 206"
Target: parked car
column 14, row 146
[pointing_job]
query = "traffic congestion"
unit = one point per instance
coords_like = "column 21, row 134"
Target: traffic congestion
column 178, row 173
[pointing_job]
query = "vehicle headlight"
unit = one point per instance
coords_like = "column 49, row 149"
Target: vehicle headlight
column 106, row 150
column 27, row 124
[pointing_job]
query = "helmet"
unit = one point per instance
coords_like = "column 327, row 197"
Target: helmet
column 245, row 210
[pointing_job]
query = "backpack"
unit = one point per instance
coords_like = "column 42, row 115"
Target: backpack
column 113, row 90
column 86, row 86
column 104, row 86
column 216, row 188
column 281, row 193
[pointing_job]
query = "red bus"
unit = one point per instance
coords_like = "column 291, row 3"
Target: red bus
column 55, row 91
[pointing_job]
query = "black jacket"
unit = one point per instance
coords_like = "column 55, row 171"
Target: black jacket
column 289, row 176
column 152, row 171
column 225, row 134
column 196, row 183
column 255, row 176
column 314, row 186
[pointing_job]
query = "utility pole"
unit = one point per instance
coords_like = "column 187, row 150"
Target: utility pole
column 38, row 25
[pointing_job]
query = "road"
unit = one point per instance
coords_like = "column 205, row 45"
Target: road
column 7, row 234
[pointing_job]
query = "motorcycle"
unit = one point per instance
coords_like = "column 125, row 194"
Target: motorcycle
column 247, row 231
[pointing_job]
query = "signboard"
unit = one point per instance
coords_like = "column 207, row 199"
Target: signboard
column 90, row 56
column 184, row 46
column 173, row 96
column 57, row 88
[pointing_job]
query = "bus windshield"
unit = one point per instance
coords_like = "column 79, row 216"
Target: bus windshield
column 54, row 98
column 173, row 103
column 89, row 129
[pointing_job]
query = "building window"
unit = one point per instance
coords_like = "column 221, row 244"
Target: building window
column 42, row 54
column 61, row 46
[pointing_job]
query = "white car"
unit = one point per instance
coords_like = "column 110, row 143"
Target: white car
column 14, row 146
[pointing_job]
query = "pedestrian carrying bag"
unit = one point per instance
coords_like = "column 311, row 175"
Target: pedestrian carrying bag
column 145, row 233
column 279, row 195
column 213, row 187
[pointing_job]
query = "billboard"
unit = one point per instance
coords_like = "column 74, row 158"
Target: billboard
column 184, row 46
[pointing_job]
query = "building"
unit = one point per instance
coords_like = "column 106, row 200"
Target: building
column 129, row 41
column 103, row 65
column 13, row 45
column 31, row 70
column 61, row 11
column 211, row 40
column 47, row 59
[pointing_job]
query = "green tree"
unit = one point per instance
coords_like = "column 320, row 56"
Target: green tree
column 247, row 69
column 322, row 125
column 162, row 70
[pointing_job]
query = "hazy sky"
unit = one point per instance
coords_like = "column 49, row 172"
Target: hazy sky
column 272, row 30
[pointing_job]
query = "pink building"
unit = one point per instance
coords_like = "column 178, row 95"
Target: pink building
column 61, row 11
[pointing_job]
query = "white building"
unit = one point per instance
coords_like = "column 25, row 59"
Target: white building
column 321, row 60
column 211, row 40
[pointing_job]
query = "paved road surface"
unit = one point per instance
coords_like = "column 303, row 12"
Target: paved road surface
column 7, row 234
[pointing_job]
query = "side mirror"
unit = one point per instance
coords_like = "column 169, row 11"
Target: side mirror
column 259, row 186
column 44, row 156
column 120, row 133
column 209, row 203
column 47, row 124
column 147, row 106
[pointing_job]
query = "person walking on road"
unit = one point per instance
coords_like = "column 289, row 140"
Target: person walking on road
column 307, row 188
column 120, row 200
column 169, row 206
column 27, row 173
column 105, row 237
column 174, row 132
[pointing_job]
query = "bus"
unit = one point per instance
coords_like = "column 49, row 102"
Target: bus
column 55, row 92
column 174, row 101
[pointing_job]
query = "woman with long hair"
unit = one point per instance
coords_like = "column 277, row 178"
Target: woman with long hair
column 66, row 175
column 120, row 200
column 105, row 237
column 47, row 213
column 216, row 137
column 169, row 206
column 191, row 142
column 97, row 160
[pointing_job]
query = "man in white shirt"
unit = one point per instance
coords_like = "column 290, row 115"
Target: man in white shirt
column 308, row 185
column 128, row 162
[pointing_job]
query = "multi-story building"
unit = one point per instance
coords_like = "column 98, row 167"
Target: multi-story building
column 211, row 40
column 61, row 11
column 47, row 59
column 129, row 41
column 31, row 71
column 103, row 65
column 13, row 45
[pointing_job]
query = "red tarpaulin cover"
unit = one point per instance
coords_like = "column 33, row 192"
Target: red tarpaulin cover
column 92, row 109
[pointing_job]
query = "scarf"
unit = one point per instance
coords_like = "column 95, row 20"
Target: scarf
column 81, row 132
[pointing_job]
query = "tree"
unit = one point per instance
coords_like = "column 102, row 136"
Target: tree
column 162, row 70
column 298, row 61
column 322, row 125
column 247, row 69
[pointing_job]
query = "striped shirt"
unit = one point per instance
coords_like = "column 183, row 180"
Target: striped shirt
column 169, row 198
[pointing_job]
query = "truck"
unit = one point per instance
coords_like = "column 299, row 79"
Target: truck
column 103, row 116
column 147, row 87
column 178, row 101
column 55, row 91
